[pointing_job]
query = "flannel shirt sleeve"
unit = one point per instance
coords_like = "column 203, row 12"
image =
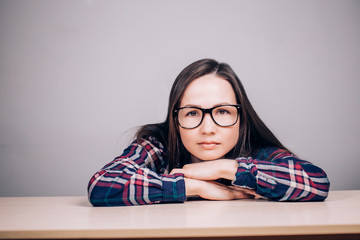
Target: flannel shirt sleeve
column 282, row 177
column 137, row 177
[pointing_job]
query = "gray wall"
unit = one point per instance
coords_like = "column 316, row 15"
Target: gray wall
column 77, row 77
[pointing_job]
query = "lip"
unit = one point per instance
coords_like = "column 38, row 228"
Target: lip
column 208, row 145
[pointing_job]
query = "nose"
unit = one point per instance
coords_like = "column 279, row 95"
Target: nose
column 208, row 126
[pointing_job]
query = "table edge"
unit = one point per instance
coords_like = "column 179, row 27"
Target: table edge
column 182, row 232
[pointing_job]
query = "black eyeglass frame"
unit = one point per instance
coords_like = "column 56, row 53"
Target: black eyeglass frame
column 208, row 110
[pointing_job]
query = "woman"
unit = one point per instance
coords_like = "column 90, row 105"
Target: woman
column 212, row 145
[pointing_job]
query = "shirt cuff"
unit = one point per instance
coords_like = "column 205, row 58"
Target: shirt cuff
column 173, row 188
column 245, row 175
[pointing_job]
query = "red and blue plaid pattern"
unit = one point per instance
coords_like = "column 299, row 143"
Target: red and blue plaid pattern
column 278, row 175
column 140, row 176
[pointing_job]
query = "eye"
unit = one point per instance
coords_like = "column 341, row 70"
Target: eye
column 193, row 113
column 222, row 111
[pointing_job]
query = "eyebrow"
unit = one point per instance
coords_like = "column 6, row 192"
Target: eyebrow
column 216, row 105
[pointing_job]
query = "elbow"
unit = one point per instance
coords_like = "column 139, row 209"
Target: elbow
column 321, row 185
column 310, row 189
column 98, row 198
column 106, row 196
column 317, row 184
column 322, row 188
column 95, row 195
column 319, row 189
column 104, row 193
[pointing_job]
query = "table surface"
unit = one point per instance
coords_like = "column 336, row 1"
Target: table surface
column 74, row 217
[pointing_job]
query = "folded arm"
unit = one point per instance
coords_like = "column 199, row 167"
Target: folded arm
column 282, row 177
column 275, row 174
column 138, row 176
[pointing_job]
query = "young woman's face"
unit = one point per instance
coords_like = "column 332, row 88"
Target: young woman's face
column 209, row 141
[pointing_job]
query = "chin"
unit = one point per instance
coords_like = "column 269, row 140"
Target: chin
column 208, row 157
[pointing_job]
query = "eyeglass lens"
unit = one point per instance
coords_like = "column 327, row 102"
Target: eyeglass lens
column 191, row 117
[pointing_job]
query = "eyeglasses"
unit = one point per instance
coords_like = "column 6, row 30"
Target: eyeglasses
column 192, row 117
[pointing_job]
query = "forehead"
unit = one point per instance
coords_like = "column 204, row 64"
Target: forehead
column 208, row 91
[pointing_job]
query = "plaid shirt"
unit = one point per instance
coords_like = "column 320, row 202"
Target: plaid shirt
column 140, row 176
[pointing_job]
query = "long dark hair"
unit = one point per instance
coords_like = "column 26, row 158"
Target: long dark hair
column 253, row 133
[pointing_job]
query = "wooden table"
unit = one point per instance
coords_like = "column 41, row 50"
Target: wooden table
column 73, row 217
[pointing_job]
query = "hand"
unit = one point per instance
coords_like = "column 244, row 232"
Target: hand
column 209, row 170
column 250, row 192
column 199, row 176
column 214, row 191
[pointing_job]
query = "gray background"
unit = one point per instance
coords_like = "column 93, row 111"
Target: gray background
column 78, row 77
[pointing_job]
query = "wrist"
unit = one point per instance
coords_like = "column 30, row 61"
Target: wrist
column 192, row 186
column 228, row 169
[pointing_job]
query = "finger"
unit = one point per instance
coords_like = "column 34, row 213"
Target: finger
column 238, row 194
column 247, row 193
column 216, row 191
column 177, row 170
